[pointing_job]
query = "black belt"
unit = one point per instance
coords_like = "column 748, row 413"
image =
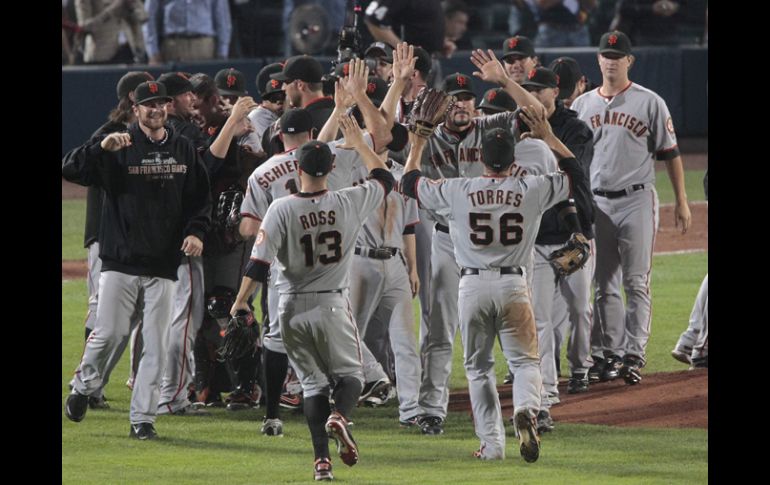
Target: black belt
column 339, row 290
column 186, row 36
column 503, row 270
column 619, row 193
column 376, row 253
column 442, row 228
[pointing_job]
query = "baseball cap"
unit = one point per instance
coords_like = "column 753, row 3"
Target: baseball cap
column 149, row 91
column 265, row 85
column 380, row 50
column 296, row 120
column 400, row 137
column 376, row 89
column 342, row 69
column 304, row 68
column 231, row 82
column 424, row 62
column 315, row 158
column 540, row 77
column 457, row 83
column 497, row 149
column 176, row 83
column 568, row 73
column 519, row 46
column 131, row 80
column 497, row 100
column 615, row 42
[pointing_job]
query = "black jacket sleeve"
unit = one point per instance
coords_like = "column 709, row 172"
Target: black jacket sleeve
column 579, row 183
column 86, row 164
column 579, row 139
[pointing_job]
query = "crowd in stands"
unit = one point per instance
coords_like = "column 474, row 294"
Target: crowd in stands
column 158, row 31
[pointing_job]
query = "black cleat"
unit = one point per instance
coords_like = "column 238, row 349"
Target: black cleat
column 544, row 421
column 630, row 371
column 577, row 383
column 529, row 441
column 143, row 431
column 98, row 402
column 432, row 425
column 611, row 369
column 595, row 372
column 76, row 406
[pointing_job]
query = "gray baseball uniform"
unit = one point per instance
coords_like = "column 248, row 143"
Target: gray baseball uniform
column 493, row 222
column 694, row 341
column 380, row 294
column 261, row 118
column 449, row 155
column 312, row 238
column 279, row 177
column 630, row 130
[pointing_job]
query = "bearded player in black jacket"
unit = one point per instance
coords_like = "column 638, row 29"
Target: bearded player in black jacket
column 157, row 206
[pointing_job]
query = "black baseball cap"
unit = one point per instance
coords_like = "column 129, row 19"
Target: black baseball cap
column 541, row 77
column 296, row 120
column 265, row 85
column 176, row 83
column 424, row 62
column 615, row 42
column 131, row 80
column 304, row 68
column 315, row 158
column 457, row 83
column 519, row 46
column 376, row 89
column 497, row 149
column 400, row 137
column 498, row 101
column 231, row 82
column 150, row 91
column 568, row 73
column 380, row 50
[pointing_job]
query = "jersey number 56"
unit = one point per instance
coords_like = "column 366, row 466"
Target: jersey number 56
column 483, row 233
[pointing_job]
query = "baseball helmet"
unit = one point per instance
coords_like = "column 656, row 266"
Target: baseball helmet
column 219, row 302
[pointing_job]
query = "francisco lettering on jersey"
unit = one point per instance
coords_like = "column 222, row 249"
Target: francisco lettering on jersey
column 637, row 127
column 495, row 197
column 315, row 219
column 156, row 167
column 465, row 155
column 277, row 172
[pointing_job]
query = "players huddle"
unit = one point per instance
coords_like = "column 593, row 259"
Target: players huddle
column 353, row 216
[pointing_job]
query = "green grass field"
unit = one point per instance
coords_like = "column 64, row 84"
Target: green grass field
column 228, row 446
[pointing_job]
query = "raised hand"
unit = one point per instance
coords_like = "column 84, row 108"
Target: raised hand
column 358, row 75
column 116, row 141
column 354, row 136
column 537, row 120
column 489, row 67
column 342, row 98
column 403, row 61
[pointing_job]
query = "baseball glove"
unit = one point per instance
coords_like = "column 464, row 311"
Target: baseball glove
column 429, row 109
column 241, row 336
column 227, row 217
column 572, row 256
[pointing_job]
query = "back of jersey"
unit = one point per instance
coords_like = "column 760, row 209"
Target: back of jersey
column 313, row 236
column 277, row 177
column 494, row 220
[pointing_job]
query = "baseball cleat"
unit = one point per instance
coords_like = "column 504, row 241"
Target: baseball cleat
column 337, row 429
column 76, row 406
column 595, row 372
column 272, row 427
column 611, row 368
column 578, row 383
column 323, row 470
column 529, row 442
column 432, row 425
column 98, row 402
column 682, row 354
column 290, row 401
column 544, row 421
column 630, row 371
column 379, row 396
column 143, row 431
column 374, row 388
column 409, row 422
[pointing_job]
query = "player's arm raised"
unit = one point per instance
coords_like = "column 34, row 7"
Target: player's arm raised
column 342, row 101
column 403, row 68
column 491, row 70
column 375, row 122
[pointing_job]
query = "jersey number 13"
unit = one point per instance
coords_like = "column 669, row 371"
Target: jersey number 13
column 333, row 242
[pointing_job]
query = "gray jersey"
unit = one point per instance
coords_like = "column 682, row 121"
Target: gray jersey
column 385, row 227
column 629, row 130
column 301, row 231
column 493, row 221
column 261, row 118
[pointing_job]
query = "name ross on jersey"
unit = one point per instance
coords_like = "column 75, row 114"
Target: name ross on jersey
column 277, row 172
column 315, row 219
column 495, row 197
column 637, row 127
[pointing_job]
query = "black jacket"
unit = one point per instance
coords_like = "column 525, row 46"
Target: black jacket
column 155, row 196
column 578, row 137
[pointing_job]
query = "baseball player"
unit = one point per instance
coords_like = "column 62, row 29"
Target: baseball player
column 454, row 150
column 519, row 57
column 271, row 108
column 312, row 235
column 119, row 119
column 493, row 222
column 632, row 127
column 155, row 184
column 380, row 56
column 555, row 230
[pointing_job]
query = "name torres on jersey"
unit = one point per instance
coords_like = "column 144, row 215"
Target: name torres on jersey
column 637, row 127
column 495, row 197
